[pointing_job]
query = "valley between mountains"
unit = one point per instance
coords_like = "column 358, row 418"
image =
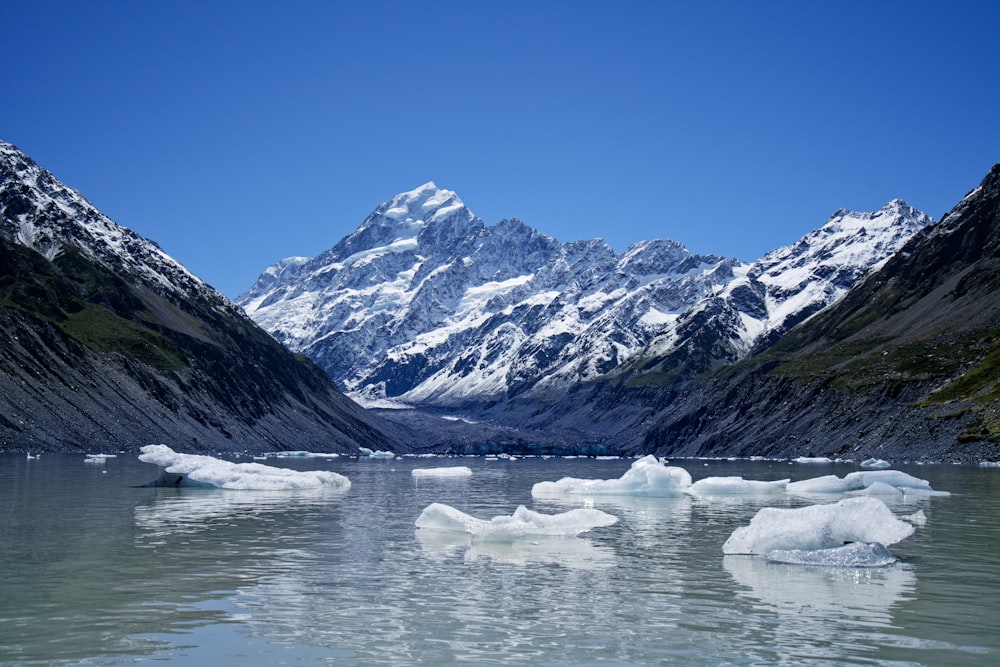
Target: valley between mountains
column 874, row 334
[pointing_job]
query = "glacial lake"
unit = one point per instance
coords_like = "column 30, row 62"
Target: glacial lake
column 95, row 570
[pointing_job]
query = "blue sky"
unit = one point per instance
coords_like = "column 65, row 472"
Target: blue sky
column 238, row 133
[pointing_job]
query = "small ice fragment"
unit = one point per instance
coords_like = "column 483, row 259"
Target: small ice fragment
column 452, row 471
column 918, row 518
column 875, row 463
column 523, row 522
column 861, row 519
column 368, row 453
column 647, row 476
column 856, row 554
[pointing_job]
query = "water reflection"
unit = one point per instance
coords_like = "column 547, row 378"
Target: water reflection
column 571, row 552
column 797, row 590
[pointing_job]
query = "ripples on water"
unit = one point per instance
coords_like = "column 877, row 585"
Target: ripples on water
column 95, row 571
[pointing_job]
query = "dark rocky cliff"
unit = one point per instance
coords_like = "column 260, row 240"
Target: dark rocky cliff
column 906, row 366
column 109, row 344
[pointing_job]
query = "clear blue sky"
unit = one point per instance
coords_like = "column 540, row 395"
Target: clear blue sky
column 238, row 133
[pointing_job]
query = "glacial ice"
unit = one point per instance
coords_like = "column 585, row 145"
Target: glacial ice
column 450, row 471
column 206, row 471
column 875, row 463
column 647, row 476
column 380, row 454
column 523, row 522
column 732, row 486
column 855, row 554
column 860, row 519
column 859, row 481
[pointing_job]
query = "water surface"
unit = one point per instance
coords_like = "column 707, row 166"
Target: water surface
column 96, row 571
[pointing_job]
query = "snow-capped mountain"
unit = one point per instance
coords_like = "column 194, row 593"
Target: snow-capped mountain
column 784, row 287
column 425, row 304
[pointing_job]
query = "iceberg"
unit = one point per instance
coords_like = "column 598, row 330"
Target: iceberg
column 380, row 454
column 206, row 471
column 451, row 471
column 522, row 522
column 735, row 486
column 861, row 519
column 859, row 481
column 647, row 476
column 875, row 463
column 856, row 554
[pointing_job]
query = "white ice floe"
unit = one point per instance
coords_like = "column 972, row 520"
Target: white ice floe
column 735, row 486
column 875, row 463
column 523, row 522
column 856, row 554
column 861, row 519
column 380, row 454
column 812, row 459
column 206, row 471
column 450, row 471
column 859, row 481
column 648, row 476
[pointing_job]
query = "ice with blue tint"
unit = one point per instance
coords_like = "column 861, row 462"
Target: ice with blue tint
column 647, row 476
column 860, row 519
column 855, row 554
column 859, row 481
column 373, row 454
column 444, row 472
column 875, row 463
column 523, row 522
column 735, row 486
column 206, row 471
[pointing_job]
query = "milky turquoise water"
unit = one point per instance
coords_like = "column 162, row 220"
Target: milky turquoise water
column 94, row 571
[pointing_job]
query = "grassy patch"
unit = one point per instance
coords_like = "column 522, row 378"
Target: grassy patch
column 100, row 329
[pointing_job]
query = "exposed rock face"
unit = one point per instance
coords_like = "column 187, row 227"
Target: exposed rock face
column 905, row 366
column 110, row 344
column 426, row 305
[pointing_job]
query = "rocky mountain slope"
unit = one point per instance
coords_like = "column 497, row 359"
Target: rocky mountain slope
column 109, row 343
column 905, row 366
column 427, row 305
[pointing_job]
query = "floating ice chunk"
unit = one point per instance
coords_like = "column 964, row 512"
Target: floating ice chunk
column 200, row 470
column 861, row 519
column 735, row 486
column 856, row 554
column 858, row 481
column 648, row 476
column 452, row 471
column 879, row 489
column 918, row 518
column 875, row 463
column 100, row 460
column 368, row 453
column 438, row 516
column 812, row 459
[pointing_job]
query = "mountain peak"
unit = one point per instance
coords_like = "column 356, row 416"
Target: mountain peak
column 423, row 204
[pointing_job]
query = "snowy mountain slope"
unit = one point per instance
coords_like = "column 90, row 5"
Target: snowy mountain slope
column 112, row 343
column 424, row 303
column 784, row 287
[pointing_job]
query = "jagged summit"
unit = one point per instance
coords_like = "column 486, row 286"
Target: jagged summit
column 426, row 304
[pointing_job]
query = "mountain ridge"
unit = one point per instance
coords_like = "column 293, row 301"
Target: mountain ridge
column 113, row 344
column 426, row 305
